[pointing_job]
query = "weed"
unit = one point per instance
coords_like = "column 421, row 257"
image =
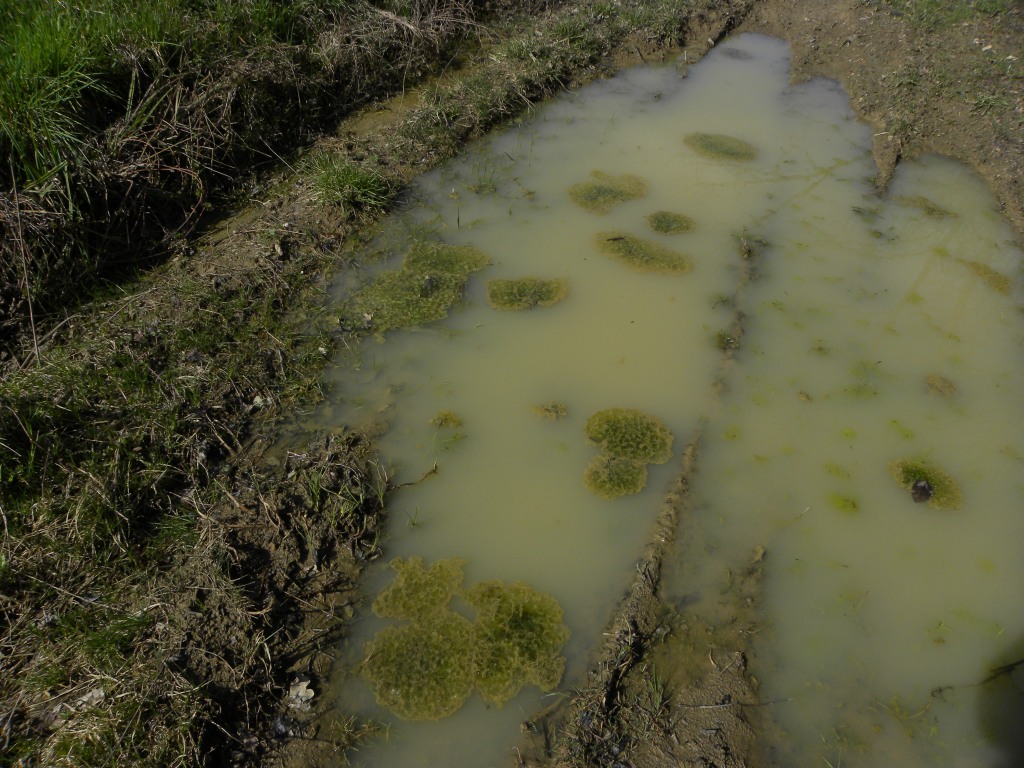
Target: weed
column 552, row 411
column 339, row 181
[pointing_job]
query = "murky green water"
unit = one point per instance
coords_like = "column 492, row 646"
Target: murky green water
column 875, row 330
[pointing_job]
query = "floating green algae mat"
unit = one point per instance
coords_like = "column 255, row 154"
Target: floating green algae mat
column 630, row 434
column 430, row 281
column 668, row 223
column 525, row 293
column 552, row 411
column 423, row 670
column 519, row 633
column 943, row 489
column 612, row 476
column 606, row 191
column 629, row 440
column 446, row 419
column 417, row 591
column 718, row 146
column 426, row 668
column 642, row 255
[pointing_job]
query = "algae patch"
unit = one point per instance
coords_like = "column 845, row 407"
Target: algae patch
column 943, row 491
column 427, row 667
column 630, row 434
column 629, row 440
column 418, row 592
column 423, row 670
column 640, row 254
column 612, row 476
column 668, row 223
column 552, row 411
column 606, row 191
column 718, row 146
column 525, row 293
column 430, row 281
column 519, row 632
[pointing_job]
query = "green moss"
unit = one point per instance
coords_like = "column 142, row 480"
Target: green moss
column 418, row 592
column 720, row 147
column 668, row 223
column 430, row 281
column 525, row 293
column 845, row 504
column 640, row 254
column 997, row 281
column 945, row 492
column 612, row 476
column 551, row 411
column 927, row 207
column 630, row 434
column 519, row 633
column 447, row 419
column 423, row 670
column 606, row 191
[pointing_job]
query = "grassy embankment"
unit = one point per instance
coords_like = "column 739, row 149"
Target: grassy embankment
column 143, row 620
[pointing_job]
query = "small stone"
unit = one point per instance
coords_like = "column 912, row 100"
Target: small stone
column 921, row 491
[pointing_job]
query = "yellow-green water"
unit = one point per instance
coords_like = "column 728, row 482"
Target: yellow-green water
column 871, row 601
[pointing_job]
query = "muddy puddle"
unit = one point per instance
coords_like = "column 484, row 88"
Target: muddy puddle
column 706, row 253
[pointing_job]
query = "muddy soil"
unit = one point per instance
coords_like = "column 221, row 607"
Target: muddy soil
column 669, row 687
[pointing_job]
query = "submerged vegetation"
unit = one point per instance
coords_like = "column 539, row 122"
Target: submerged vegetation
column 942, row 490
column 641, row 255
column 427, row 668
column 629, row 440
column 668, row 223
column 431, row 279
column 552, row 411
column 718, row 146
column 525, row 293
column 606, row 191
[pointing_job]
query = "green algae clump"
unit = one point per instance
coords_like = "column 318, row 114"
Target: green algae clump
column 668, row 223
column 945, row 493
column 630, row 434
column 606, row 191
column 552, row 411
column 640, row 254
column 718, row 146
column 423, row 670
column 612, row 476
column 525, row 293
column 417, row 592
column 429, row 283
column 446, row 419
column 519, row 633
